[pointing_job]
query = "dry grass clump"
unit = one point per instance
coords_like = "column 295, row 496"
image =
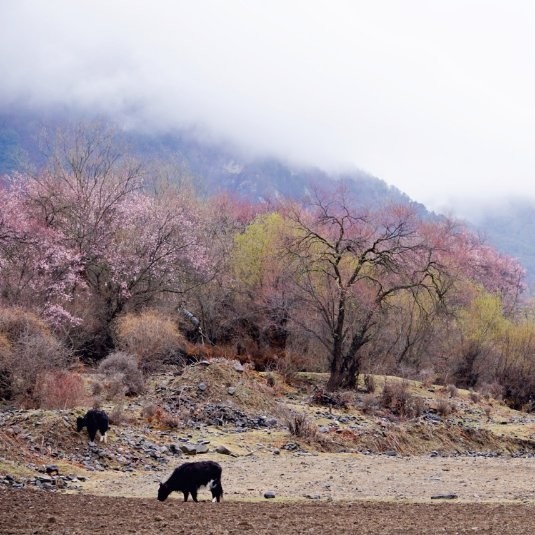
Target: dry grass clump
column 156, row 415
column 369, row 383
column 444, row 407
column 122, row 376
column 451, row 390
column 397, row 398
column 60, row 389
column 300, row 425
column 28, row 351
column 491, row 390
column 152, row 337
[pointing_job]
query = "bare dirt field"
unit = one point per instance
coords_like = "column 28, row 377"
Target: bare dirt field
column 347, row 477
column 359, row 472
column 323, row 493
column 33, row 512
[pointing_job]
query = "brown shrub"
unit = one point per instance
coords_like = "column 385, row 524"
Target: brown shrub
column 428, row 377
column 474, row 396
column 444, row 407
column 396, row 398
column 492, row 390
column 152, row 337
column 369, row 383
column 60, row 390
column 451, row 390
column 329, row 399
column 28, row 350
column 122, row 374
column 300, row 425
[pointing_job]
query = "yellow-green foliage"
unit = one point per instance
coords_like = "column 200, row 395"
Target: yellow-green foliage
column 483, row 320
column 507, row 344
column 257, row 249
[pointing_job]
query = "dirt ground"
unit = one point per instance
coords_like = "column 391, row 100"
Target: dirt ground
column 35, row 512
column 317, row 490
column 347, row 477
column 315, row 493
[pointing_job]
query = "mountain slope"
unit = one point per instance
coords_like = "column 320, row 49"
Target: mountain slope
column 218, row 167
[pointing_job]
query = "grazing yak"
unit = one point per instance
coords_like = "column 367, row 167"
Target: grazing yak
column 189, row 477
column 95, row 420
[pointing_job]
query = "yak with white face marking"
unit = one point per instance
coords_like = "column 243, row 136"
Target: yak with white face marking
column 188, row 478
column 95, row 420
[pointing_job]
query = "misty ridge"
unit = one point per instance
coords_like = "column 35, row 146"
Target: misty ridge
column 214, row 165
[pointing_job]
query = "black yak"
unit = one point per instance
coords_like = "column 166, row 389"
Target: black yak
column 95, row 420
column 189, row 477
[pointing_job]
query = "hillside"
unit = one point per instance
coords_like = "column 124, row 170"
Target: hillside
column 214, row 167
column 394, row 455
column 218, row 408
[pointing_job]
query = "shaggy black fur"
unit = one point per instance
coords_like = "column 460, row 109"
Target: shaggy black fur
column 189, row 477
column 95, row 420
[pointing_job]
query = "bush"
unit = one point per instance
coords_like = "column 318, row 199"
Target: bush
column 369, row 383
column 299, row 425
column 122, row 374
column 151, row 337
column 451, row 390
column 398, row 400
column 329, row 399
column 444, row 408
column 60, row 390
column 492, row 390
column 28, row 351
column 428, row 377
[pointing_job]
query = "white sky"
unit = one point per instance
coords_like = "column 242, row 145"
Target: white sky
column 433, row 96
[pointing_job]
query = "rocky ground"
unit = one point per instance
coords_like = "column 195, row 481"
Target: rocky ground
column 346, row 467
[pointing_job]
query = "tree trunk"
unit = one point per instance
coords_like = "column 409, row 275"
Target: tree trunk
column 344, row 373
column 345, row 368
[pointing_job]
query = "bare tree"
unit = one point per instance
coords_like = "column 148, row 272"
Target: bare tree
column 348, row 265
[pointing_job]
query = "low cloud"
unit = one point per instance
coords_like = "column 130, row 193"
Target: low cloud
column 435, row 98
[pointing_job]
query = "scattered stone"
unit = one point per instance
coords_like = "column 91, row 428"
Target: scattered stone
column 231, row 390
column 312, row 496
column 444, row 497
column 52, row 469
column 239, row 367
column 188, row 449
column 223, row 450
column 201, row 448
column 202, row 387
column 269, row 494
column 291, row 446
column 174, row 449
column 276, row 451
